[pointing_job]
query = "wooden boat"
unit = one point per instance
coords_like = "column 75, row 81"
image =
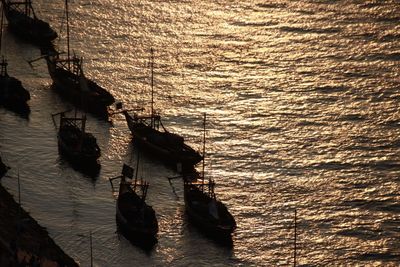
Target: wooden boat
column 75, row 143
column 24, row 23
column 149, row 132
column 136, row 220
column 167, row 146
column 12, row 94
column 204, row 209
column 70, row 82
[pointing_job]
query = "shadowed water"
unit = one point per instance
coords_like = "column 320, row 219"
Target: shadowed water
column 302, row 104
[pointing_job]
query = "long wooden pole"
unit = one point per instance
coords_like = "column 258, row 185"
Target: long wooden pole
column 137, row 169
column 67, row 17
column 1, row 32
column 204, row 145
column 19, row 191
column 152, row 86
column 91, row 250
column 19, row 211
column 295, row 239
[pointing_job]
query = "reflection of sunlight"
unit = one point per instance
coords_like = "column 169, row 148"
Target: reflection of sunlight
column 302, row 105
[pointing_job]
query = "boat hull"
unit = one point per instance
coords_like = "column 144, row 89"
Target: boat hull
column 132, row 232
column 138, row 232
column 93, row 99
column 182, row 158
column 210, row 229
column 28, row 28
column 77, row 157
column 198, row 211
column 78, row 146
column 13, row 95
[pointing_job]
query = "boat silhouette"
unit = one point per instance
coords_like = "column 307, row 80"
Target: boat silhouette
column 24, row 23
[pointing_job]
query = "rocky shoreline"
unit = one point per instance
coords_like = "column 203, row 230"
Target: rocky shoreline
column 3, row 168
column 23, row 242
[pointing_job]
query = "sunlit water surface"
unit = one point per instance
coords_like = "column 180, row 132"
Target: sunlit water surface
column 302, row 100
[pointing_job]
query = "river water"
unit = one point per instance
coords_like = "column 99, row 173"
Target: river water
column 302, row 102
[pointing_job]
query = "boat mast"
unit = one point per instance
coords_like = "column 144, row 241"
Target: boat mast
column 152, row 86
column 67, row 17
column 137, row 170
column 204, row 146
column 3, row 62
column 1, row 30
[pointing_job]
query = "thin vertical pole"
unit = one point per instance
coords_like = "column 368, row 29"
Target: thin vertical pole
column 204, row 144
column 137, row 170
column 91, row 250
column 26, row 7
column 295, row 238
column 19, row 210
column 1, row 32
column 152, row 86
column 67, row 16
column 19, row 191
column 19, row 201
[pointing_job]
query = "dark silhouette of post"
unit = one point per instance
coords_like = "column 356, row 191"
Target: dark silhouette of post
column 295, row 239
column 91, row 250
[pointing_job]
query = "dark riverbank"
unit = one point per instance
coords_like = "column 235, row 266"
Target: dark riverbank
column 23, row 239
column 3, row 168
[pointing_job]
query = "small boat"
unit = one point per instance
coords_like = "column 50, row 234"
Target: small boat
column 12, row 94
column 70, row 82
column 161, row 143
column 75, row 143
column 136, row 220
column 24, row 23
column 204, row 209
column 149, row 132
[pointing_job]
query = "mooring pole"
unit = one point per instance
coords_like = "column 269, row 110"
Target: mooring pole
column 204, row 146
column 295, row 239
column 91, row 250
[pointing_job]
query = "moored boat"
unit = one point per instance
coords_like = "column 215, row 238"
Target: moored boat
column 150, row 133
column 136, row 220
column 70, row 82
column 75, row 143
column 13, row 95
column 24, row 23
column 204, row 209
column 207, row 212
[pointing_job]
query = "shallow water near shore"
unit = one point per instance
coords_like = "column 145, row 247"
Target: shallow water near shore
column 302, row 103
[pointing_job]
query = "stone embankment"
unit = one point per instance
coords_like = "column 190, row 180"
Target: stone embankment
column 23, row 242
